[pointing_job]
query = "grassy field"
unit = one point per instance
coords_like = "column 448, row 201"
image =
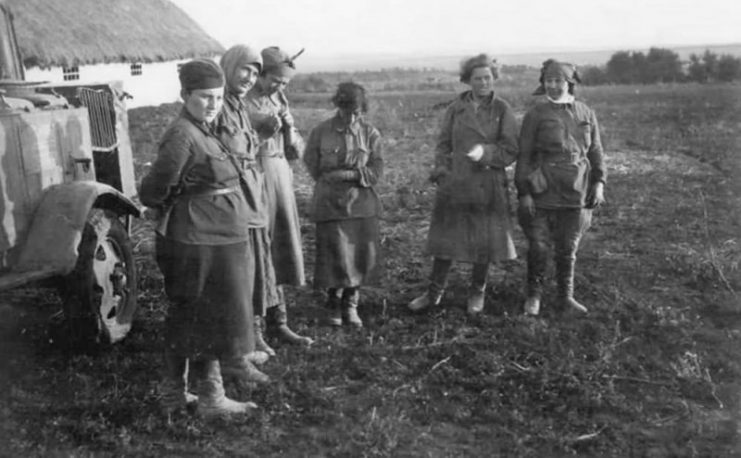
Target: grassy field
column 653, row 370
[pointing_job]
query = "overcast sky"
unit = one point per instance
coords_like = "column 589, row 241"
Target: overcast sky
column 435, row 27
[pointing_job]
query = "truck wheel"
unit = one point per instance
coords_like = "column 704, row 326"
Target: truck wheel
column 100, row 294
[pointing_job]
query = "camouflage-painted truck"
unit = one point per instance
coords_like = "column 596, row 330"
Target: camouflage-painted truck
column 66, row 183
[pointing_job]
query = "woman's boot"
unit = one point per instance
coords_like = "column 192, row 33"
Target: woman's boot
column 349, row 304
column 243, row 370
column 334, row 309
column 277, row 321
column 212, row 401
column 260, row 344
column 565, row 285
column 174, row 387
column 436, row 288
column 475, row 303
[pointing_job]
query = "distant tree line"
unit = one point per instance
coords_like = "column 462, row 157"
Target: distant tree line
column 661, row 65
column 397, row 79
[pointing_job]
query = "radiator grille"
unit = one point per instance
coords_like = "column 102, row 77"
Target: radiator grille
column 102, row 114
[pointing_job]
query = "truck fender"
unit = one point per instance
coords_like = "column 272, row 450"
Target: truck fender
column 56, row 229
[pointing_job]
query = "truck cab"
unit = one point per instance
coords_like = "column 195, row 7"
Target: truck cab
column 66, row 194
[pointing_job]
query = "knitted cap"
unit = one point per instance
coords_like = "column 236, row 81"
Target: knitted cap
column 201, row 74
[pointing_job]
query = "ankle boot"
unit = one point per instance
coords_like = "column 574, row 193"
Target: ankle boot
column 532, row 306
column 565, row 285
column 334, row 314
column 243, row 370
column 212, row 401
column 260, row 343
column 349, row 304
column 174, row 387
column 475, row 303
column 434, row 294
column 432, row 297
column 277, row 321
column 477, row 292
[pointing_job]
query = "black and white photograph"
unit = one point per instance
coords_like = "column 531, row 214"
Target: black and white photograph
column 370, row 228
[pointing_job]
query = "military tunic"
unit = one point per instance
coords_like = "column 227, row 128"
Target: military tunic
column 202, row 247
column 345, row 211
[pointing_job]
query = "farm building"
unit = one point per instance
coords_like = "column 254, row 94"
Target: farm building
column 139, row 42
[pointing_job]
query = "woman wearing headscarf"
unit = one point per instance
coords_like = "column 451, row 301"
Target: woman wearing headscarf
column 343, row 155
column 202, row 247
column 560, row 178
column 470, row 219
column 279, row 141
column 241, row 65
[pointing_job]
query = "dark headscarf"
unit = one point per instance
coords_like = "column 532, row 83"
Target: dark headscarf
column 201, row 74
column 277, row 62
column 551, row 68
column 237, row 57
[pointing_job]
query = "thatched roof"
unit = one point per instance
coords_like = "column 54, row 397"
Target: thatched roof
column 83, row 32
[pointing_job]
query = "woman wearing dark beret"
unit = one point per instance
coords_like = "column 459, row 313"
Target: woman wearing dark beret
column 344, row 157
column 470, row 219
column 202, row 247
column 279, row 142
column 560, row 177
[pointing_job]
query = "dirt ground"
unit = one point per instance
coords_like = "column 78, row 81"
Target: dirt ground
column 653, row 370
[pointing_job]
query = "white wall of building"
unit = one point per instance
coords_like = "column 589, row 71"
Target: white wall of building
column 157, row 84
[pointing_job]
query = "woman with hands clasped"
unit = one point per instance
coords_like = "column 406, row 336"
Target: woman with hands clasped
column 470, row 219
column 343, row 155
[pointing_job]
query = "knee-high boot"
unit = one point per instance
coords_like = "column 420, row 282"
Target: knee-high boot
column 277, row 322
column 436, row 287
column 565, row 284
column 212, row 400
column 334, row 296
column 350, row 300
column 475, row 303
column 174, row 387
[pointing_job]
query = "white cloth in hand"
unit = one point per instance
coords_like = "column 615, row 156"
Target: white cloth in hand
column 476, row 153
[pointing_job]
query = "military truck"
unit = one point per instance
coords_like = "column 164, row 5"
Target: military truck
column 66, row 189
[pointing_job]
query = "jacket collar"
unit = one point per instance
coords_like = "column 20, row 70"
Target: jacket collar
column 339, row 125
column 201, row 125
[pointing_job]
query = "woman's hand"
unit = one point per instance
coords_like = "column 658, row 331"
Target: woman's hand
column 152, row 214
column 476, row 153
column 287, row 119
column 272, row 123
column 527, row 204
column 596, row 195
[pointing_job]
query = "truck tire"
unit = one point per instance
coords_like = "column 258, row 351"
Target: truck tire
column 100, row 294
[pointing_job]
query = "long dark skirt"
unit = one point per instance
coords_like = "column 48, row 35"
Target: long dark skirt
column 210, row 313
column 265, row 292
column 347, row 253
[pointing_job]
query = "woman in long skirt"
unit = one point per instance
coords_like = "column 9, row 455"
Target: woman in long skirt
column 343, row 155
